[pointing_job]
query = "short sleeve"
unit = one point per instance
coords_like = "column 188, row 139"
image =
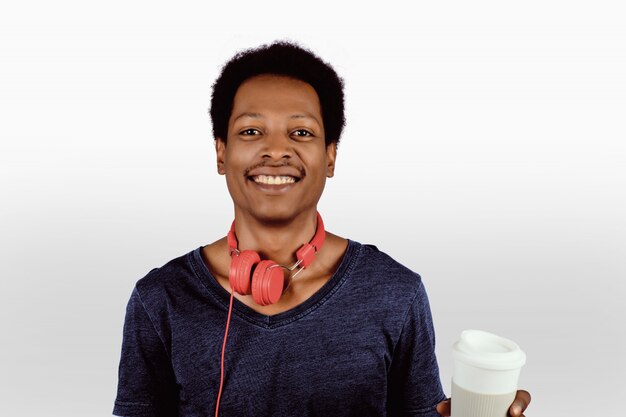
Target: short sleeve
column 146, row 383
column 414, row 384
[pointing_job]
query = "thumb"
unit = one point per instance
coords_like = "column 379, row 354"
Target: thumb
column 443, row 408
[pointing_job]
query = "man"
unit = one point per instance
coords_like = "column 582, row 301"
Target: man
column 280, row 317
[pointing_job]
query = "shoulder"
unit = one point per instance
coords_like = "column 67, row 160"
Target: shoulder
column 383, row 290
column 384, row 271
column 167, row 278
column 376, row 260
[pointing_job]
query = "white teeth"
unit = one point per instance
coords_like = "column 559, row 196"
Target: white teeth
column 273, row 180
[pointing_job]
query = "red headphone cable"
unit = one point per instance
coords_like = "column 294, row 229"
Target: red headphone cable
column 219, row 393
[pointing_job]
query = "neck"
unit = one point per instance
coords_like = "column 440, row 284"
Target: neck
column 275, row 240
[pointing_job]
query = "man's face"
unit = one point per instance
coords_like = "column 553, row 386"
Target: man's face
column 275, row 160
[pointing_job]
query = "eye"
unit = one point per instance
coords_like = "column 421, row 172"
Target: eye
column 302, row 133
column 250, row 132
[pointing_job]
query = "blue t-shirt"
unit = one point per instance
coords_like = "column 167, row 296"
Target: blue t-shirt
column 363, row 345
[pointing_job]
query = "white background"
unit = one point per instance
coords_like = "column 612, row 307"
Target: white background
column 484, row 149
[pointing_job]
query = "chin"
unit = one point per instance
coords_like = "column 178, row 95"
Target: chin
column 279, row 215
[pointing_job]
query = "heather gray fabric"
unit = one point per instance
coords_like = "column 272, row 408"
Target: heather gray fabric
column 363, row 345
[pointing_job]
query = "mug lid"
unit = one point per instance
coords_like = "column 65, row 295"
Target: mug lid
column 488, row 351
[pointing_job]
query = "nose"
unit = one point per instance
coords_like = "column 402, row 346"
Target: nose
column 277, row 146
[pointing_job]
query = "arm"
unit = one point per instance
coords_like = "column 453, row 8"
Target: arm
column 146, row 385
column 414, row 385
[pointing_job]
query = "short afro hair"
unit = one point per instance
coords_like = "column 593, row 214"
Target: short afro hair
column 279, row 58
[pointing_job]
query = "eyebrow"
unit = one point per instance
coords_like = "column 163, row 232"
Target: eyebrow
column 248, row 114
column 260, row 116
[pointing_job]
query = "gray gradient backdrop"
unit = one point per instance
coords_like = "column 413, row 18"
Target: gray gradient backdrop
column 485, row 149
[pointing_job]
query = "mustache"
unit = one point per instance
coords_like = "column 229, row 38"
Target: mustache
column 246, row 172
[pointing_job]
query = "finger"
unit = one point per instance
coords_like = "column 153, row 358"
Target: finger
column 443, row 408
column 522, row 399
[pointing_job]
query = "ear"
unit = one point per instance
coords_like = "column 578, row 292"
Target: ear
column 331, row 154
column 220, row 151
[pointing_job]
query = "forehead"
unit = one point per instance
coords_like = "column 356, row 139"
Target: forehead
column 267, row 94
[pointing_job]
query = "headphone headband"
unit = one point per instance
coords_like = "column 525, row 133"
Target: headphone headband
column 305, row 254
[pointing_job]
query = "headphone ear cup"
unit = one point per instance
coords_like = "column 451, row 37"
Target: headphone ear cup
column 268, row 281
column 240, row 270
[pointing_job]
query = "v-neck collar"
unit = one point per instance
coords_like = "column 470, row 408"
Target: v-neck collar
column 222, row 296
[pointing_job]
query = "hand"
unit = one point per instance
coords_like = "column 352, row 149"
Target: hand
column 520, row 403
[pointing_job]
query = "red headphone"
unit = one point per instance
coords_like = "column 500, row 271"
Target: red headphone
column 267, row 279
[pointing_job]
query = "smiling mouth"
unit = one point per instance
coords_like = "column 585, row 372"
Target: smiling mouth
column 273, row 179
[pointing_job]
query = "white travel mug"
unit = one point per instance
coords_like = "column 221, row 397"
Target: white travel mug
column 485, row 374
